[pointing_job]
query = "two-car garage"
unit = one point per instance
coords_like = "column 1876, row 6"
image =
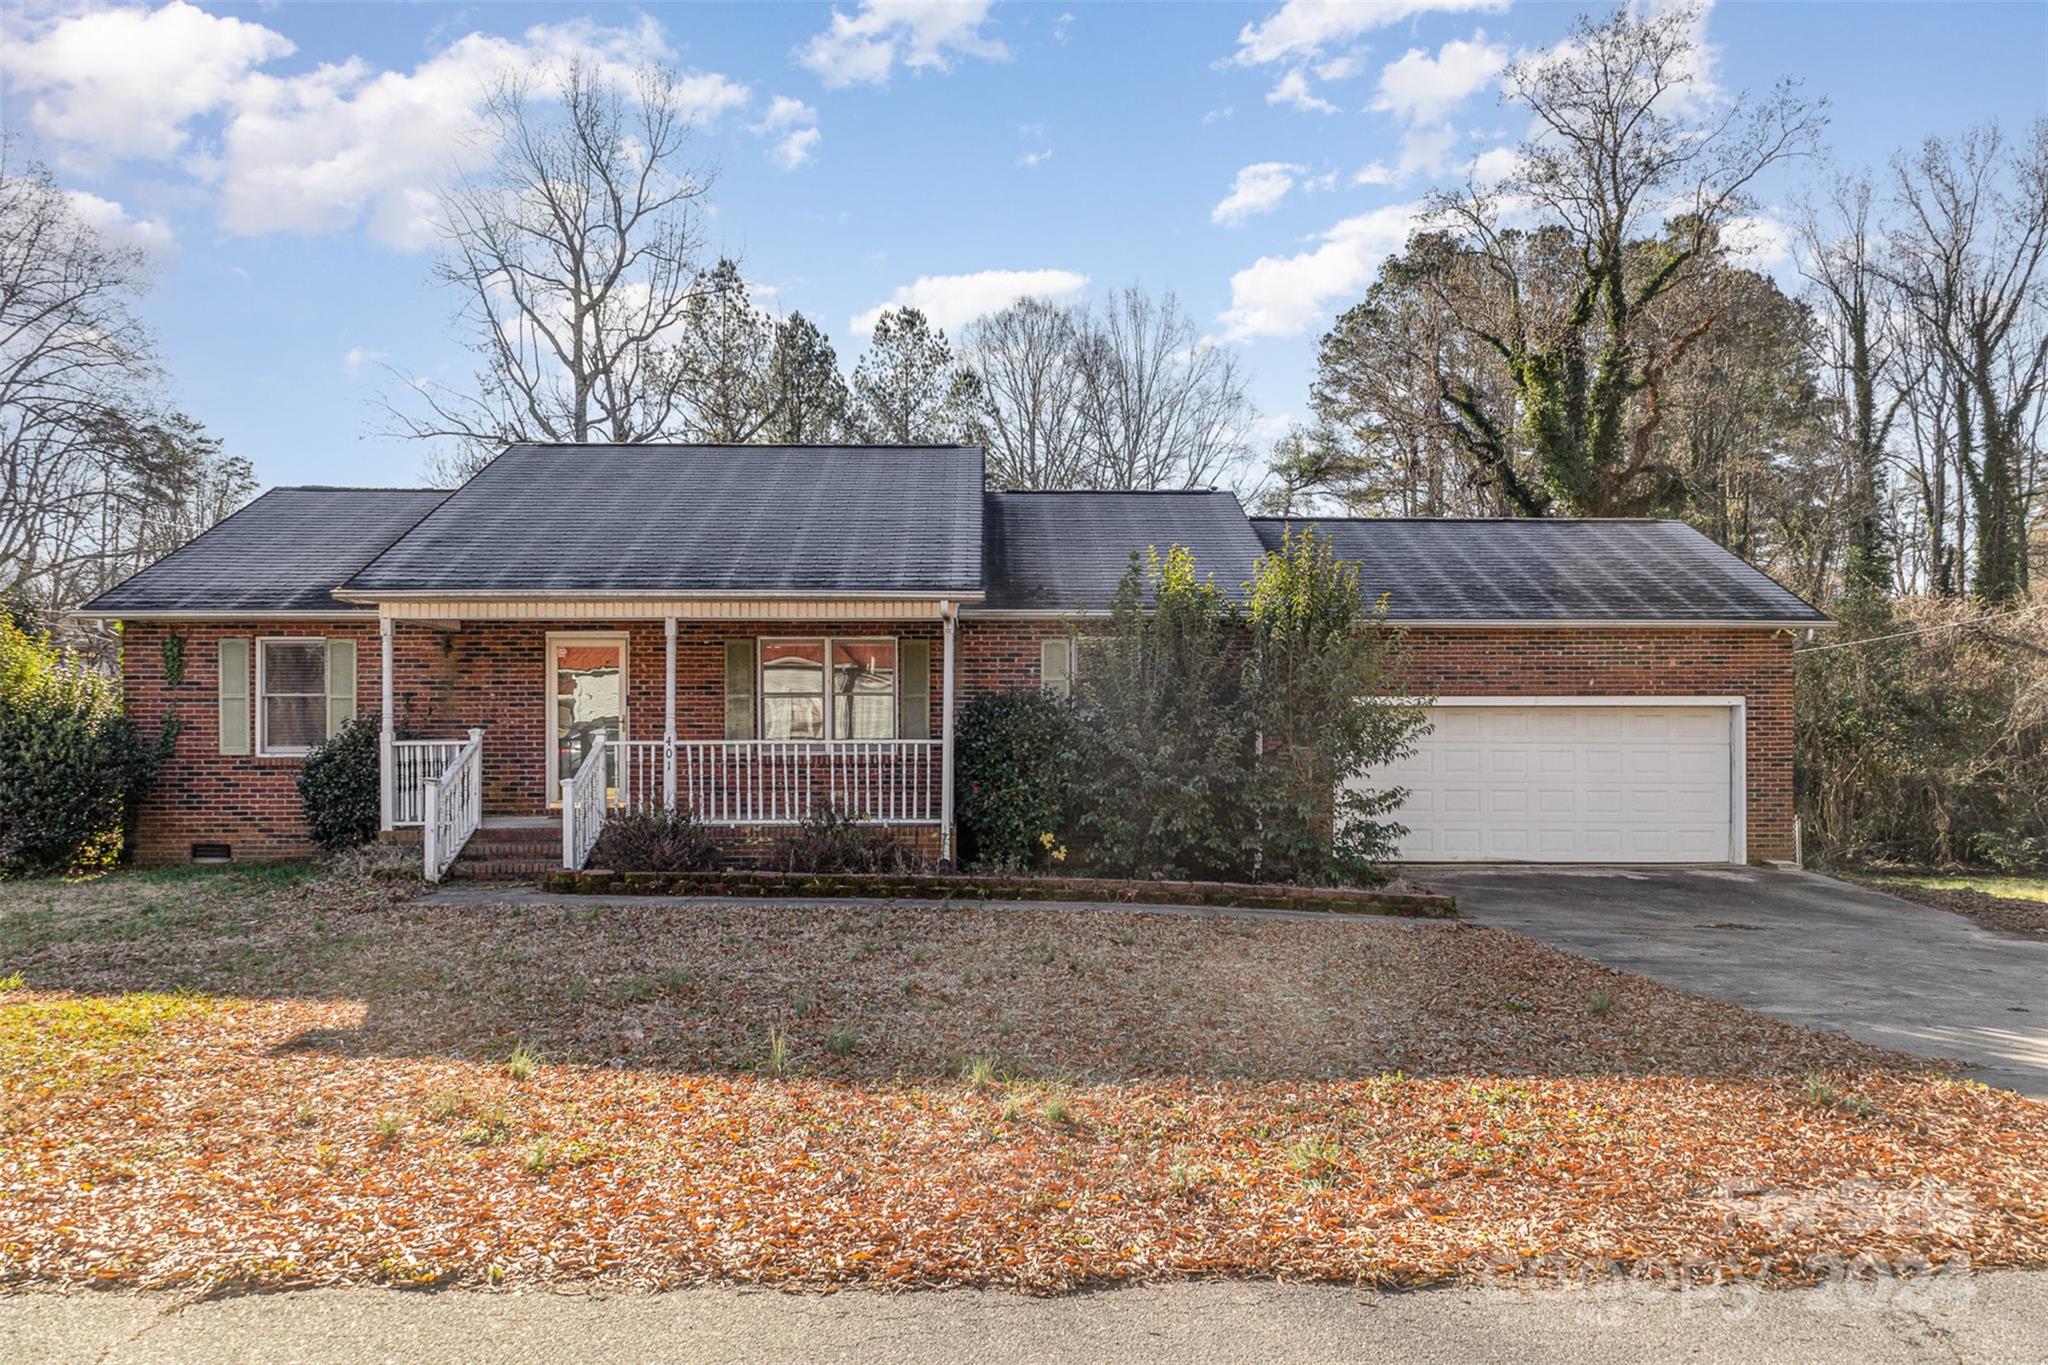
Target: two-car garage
column 1574, row 780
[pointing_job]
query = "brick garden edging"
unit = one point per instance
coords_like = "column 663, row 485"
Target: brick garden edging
column 935, row 886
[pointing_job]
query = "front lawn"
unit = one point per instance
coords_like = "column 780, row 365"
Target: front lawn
column 235, row 1078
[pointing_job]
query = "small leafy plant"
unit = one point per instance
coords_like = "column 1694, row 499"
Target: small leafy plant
column 339, row 787
column 523, row 1063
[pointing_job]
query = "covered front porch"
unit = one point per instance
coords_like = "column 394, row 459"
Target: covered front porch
column 752, row 715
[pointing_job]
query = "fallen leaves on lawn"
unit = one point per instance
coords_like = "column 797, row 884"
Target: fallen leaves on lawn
column 1038, row 1099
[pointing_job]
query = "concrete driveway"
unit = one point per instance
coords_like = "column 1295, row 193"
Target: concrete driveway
column 1795, row 945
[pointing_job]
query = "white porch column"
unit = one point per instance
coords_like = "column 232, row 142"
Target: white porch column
column 950, row 612
column 668, row 724
column 387, row 734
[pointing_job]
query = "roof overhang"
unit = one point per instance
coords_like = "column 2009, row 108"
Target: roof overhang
column 619, row 607
column 337, row 613
column 1442, row 623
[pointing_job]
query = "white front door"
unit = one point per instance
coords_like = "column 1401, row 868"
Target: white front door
column 1582, row 780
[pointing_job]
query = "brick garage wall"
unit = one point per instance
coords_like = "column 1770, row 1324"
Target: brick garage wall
column 996, row 655
column 1625, row 662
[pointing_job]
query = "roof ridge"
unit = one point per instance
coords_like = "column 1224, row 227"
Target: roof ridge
column 351, row 488
column 1511, row 521
column 1105, row 492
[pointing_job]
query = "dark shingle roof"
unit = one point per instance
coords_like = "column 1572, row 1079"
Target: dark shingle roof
column 674, row 518
column 1534, row 570
column 1068, row 551
column 286, row 551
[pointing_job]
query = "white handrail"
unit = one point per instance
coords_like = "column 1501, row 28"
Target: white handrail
column 414, row 762
column 780, row 782
column 583, row 805
column 453, row 807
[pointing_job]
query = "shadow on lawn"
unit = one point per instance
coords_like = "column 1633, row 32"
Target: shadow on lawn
column 872, row 994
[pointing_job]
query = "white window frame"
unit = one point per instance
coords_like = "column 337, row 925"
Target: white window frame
column 624, row 640
column 264, row 748
column 831, row 724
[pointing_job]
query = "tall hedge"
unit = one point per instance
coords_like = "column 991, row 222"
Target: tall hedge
column 71, row 765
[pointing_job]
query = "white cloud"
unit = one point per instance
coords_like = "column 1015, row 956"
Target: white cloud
column 1758, row 241
column 864, row 47
column 1300, row 29
column 1495, row 164
column 951, row 301
column 786, row 111
column 1259, row 188
column 1284, row 295
column 356, row 357
column 1292, row 88
column 1218, row 115
column 1425, row 89
column 1341, row 68
column 320, row 150
column 796, row 124
column 114, row 224
column 1426, row 151
column 1060, row 27
column 1031, row 160
column 126, row 82
column 1374, row 173
column 795, row 149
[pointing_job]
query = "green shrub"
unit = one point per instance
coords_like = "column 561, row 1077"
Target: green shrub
column 655, row 841
column 1165, row 789
column 339, row 787
column 1015, row 753
column 71, row 765
column 831, row 840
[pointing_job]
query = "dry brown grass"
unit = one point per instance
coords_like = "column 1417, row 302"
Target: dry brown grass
column 1043, row 1099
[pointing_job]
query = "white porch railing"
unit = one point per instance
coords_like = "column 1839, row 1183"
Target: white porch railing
column 584, row 804
column 414, row 762
column 453, row 806
column 780, row 782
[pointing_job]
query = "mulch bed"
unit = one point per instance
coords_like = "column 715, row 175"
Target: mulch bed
column 2025, row 917
column 251, row 1086
column 967, row 886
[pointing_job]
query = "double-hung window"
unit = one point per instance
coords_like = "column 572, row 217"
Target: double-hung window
column 291, row 696
column 828, row 689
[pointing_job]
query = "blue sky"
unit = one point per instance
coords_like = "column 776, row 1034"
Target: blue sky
column 1257, row 160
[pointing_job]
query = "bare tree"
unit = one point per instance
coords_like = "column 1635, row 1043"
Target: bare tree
column 575, row 253
column 1643, row 171
column 1029, row 363
column 1970, row 255
column 1160, row 406
column 1855, row 351
column 71, row 351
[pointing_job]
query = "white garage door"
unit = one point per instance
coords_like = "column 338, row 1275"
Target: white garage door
column 1569, row 783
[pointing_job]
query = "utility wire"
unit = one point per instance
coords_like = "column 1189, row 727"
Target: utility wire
column 1925, row 630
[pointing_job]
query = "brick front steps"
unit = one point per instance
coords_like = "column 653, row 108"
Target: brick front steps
column 1338, row 900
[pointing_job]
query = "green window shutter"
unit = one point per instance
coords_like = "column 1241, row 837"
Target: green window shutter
column 739, row 689
column 232, row 657
column 914, row 689
column 341, row 685
column 1056, row 666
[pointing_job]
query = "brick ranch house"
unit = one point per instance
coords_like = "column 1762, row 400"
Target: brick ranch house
column 752, row 631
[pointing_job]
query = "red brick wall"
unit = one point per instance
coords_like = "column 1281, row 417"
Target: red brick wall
column 493, row 674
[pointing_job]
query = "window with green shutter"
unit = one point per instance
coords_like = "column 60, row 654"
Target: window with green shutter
column 232, row 674
column 739, row 689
